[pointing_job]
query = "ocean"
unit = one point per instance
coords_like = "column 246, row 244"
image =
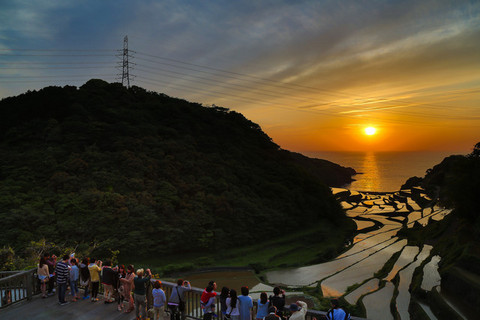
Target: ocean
column 383, row 171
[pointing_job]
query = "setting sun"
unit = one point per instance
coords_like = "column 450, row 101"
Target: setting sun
column 370, row 131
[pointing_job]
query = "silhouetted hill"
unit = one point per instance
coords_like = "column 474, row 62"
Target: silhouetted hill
column 454, row 183
column 142, row 172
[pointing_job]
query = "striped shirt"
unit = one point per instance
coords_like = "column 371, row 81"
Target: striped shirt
column 63, row 274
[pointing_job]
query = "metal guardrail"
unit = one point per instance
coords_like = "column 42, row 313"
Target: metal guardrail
column 23, row 285
column 193, row 309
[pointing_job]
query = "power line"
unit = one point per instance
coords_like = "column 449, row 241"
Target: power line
column 271, row 104
column 62, row 50
column 286, row 84
column 53, row 63
column 52, row 68
column 56, row 76
column 54, row 55
column 252, row 86
column 277, row 94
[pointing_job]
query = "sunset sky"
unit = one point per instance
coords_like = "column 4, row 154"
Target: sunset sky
column 312, row 74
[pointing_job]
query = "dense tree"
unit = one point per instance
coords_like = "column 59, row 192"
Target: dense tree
column 140, row 172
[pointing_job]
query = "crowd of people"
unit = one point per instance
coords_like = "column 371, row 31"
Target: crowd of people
column 119, row 283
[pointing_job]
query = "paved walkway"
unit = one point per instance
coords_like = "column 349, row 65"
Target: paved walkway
column 49, row 308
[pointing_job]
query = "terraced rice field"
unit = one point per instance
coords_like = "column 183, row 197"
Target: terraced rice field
column 379, row 217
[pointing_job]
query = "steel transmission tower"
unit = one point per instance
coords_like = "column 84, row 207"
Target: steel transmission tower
column 124, row 64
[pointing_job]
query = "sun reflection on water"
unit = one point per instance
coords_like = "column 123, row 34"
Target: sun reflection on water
column 371, row 176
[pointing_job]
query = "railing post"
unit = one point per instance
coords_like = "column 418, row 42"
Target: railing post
column 29, row 284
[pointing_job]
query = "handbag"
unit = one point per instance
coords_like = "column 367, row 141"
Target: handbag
column 228, row 316
column 83, row 283
column 181, row 304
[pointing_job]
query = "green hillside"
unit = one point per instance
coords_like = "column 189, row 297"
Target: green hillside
column 102, row 167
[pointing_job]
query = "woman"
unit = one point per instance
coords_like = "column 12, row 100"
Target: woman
column 233, row 310
column 262, row 306
column 223, row 301
column 120, row 288
column 127, row 287
column 43, row 275
column 85, row 277
column 246, row 304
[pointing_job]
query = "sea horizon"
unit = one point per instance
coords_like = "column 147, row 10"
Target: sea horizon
column 383, row 171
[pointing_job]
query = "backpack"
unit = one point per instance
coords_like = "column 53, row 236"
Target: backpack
column 330, row 315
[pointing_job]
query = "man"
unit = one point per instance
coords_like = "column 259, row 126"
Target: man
column 108, row 279
column 177, row 299
column 337, row 313
column 63, row 276
column 299, row 310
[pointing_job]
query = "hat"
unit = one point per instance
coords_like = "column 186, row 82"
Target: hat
column 294, row 307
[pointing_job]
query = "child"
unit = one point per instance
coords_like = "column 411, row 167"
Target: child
column 159, row 299
column 208, row 294
column 74, row 275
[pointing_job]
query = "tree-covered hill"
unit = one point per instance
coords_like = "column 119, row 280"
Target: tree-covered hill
column 141, row 172
column 455, row 183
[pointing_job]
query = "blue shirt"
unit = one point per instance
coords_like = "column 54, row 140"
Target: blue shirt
column 246, row 304
column 74, row 273
column 262, row 310
column 158, row 298
column 336, row 314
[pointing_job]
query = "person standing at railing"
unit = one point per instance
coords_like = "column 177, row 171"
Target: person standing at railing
column 94, row 268
column 159, row 300
column 63, row 276
column 207, row 300
column 120, row 286
column 85, row 277
column 43, row 276
column 223, row 301
column 262, row 306
column 299, row 310
column 337, row 313
column 139, row 293
column 176, row 302
column 278, row 300
column 127, row 287
column 74, row 275
column 108, row 278
column 233, row 310
column 51, row 261
column 246, row 304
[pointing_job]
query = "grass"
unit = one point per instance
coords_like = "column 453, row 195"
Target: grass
column 290, row 249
